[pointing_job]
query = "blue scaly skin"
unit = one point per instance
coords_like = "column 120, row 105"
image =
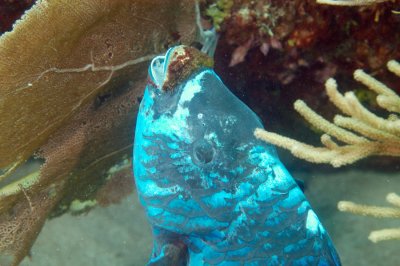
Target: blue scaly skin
column 213, row 193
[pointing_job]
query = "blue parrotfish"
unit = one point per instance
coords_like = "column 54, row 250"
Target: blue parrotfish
column 212, row 192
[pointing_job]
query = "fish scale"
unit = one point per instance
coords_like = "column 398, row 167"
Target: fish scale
column 213, row 193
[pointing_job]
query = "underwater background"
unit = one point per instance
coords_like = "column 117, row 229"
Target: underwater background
column 69, row 96
column 120, row 234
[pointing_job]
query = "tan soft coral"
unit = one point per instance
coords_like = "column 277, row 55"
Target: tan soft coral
column 362, row 132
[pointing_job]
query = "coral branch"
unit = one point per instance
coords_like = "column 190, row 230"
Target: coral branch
column 368, row 210
column 394, row 67
column 379, row 212
column 393, row 199
column 384, row 234
column 322, row 124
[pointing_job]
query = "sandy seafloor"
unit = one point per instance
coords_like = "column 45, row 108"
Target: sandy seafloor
column 119, row 235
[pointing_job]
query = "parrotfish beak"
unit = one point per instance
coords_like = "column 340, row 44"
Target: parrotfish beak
column 178, row 63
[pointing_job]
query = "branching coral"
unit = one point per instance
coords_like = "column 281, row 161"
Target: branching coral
column 379, row 212
column 71, row 92
column 362, row 132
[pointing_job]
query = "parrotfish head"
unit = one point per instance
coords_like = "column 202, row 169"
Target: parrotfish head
column 194, row 139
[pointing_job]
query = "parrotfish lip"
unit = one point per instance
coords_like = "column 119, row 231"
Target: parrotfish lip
column 157, row 69
column 167, row 71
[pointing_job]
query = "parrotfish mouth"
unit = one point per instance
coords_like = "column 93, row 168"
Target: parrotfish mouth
column 178, row 63
column 158, row 67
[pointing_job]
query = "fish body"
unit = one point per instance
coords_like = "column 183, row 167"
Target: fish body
column 212, row 192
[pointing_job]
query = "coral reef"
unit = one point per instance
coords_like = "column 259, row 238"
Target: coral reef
column 308, row 32
column 362, row 132
column 70, row 94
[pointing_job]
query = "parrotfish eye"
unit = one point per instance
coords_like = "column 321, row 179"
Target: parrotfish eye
column 203, row 152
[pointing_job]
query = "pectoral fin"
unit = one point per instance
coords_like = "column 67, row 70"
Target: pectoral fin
column 168, row 250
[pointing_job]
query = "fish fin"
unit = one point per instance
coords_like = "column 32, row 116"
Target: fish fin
column 168, row 249
column 301, row 183
column 171, row 254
